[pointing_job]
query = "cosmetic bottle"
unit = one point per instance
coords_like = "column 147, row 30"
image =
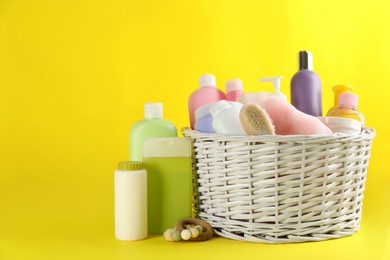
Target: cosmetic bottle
column 341, row 124
column 153, row 125
column 276, row 81
column 168, row 161
column 305, row 86
column 130, row 187
column 203, row 119
column 234, row 89
column 206, row 93
column 338, row 89
column 259, row 97
column 226, row 118
column 347, row 107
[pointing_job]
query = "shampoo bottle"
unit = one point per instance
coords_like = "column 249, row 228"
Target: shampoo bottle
column 233, row 89
column 259, row 97
column 153, row 125
column 168, row 161
column 205, row 94
column 306, row 93
column 276, row 81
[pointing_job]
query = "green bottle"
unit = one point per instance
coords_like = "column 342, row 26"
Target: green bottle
column 168, row 161
column 153, row 125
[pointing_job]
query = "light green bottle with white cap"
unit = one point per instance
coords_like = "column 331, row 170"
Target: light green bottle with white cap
column 153, row 125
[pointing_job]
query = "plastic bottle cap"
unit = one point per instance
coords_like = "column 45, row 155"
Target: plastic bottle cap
column 276, row 81
column 218, row 106
column 305, row 60
column 342, row 88
column 153, row 110
column 338, row 89
column 348, row 99
column 130, row 165
column 233, row 84
column 207, row 80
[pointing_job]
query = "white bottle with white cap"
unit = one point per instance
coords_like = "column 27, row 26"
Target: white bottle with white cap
column 206, row 93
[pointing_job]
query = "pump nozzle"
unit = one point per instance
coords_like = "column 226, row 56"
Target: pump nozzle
column 276, row 80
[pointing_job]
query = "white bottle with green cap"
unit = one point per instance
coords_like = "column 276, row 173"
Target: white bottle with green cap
column 153, row 125
column 131, row 214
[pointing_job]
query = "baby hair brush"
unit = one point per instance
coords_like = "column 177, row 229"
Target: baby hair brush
column 255, row 120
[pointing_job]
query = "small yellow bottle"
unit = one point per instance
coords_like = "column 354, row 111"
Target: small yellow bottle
column 338, row 89
column 347, row 107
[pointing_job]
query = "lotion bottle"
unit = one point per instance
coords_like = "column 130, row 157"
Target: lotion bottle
column 259, row 97
column 153, row 125
column 234, row 89
column 276, row 81
column 306, row 93
column 168, row 161
column 206, row 93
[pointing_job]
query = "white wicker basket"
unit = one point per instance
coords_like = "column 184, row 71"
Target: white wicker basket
column 281, row 189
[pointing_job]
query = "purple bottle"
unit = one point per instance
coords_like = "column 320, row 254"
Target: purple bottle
column 306, row 93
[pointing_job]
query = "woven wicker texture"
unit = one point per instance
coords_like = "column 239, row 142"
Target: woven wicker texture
column 281, row 189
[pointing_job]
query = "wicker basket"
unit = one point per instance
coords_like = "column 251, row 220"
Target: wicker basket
column 281, row 189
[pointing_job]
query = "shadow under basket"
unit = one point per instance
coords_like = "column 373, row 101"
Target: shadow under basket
column 281, row 189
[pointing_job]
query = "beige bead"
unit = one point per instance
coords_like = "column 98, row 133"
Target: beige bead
column 185, row 234
column 168, row 234
column 200, row 229
column 194, row 232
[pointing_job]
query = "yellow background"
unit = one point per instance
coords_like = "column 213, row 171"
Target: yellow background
column 73, row 79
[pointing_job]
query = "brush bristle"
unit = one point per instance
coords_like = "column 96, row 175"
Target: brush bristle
column 256, row 121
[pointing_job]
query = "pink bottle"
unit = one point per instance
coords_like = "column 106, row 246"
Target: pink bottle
column 206, row 93
column 233, row 89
